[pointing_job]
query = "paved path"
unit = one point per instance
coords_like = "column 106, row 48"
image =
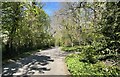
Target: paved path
column 47, row 62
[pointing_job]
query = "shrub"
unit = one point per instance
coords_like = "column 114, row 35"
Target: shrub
column 77, row 67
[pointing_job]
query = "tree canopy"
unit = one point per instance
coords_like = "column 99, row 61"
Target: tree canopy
column 24, row 26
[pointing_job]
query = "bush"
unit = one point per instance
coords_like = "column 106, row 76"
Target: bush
column 77, row 67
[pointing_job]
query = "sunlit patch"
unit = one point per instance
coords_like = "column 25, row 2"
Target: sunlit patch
column 6, row 68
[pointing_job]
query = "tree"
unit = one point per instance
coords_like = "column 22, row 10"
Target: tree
column 110, row 28
column 11, row 15
column 25, row 26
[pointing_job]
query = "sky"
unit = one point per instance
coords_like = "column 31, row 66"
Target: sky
column 51, row 7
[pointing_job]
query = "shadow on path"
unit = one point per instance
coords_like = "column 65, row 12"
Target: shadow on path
column 28, row 65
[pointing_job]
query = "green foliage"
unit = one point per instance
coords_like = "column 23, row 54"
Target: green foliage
column 24, row 27
column 87, row 51
column 89, row 63
column 95, row 24
column 77, row 67
column 110, row 25
column 95, row 29
column 89, row 28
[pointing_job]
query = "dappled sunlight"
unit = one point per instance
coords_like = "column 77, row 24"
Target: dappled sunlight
column 39, row 63
column 28, row 65
column 60, row 38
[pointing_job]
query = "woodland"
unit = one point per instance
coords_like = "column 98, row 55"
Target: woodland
column 90, row 30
